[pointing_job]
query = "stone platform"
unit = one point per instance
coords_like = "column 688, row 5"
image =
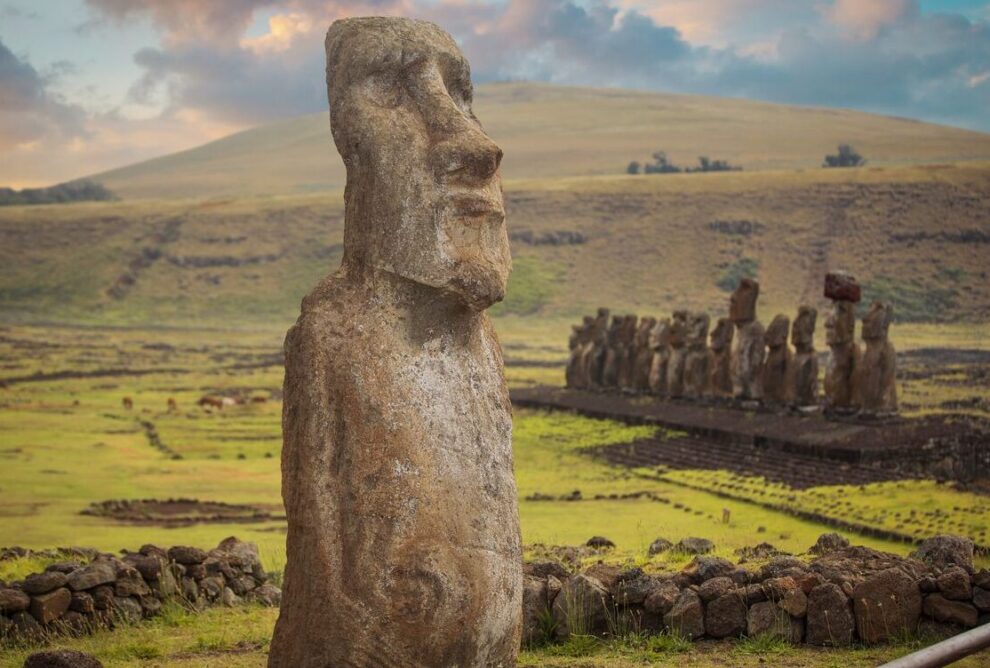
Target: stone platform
column 947, row 447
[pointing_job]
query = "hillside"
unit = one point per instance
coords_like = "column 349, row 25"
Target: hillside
column 918, row 236
column 555, row 131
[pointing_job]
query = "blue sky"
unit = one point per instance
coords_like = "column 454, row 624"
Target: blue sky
column 86, row 85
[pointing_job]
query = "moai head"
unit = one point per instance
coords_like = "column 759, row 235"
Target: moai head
column 877, row 321
column 776, row 335
column 840, row 325
column 660, row 335
column 721, row 338
column 742, row 304
column 678, row 329
column 697, row 329
column 423, row 196
column 803, row 329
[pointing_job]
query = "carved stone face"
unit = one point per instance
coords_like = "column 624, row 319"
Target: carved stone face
column 697, row 329
column 877, row 321
column 803, row 330
column 678, row 329
column 721, row 338
column 776, row 335
column 742, row 304
column 840, row 324
column 423, row 197
column 660, row 335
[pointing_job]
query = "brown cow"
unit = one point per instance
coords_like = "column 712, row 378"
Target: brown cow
column 212, row 402
column 172, row 406
column 128, row 403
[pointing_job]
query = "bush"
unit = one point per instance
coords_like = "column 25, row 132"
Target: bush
column 744, row 267
column 74, row 191
column 633, row 168
column 846, row 157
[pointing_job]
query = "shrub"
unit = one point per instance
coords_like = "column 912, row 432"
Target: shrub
column 744, row 267
column 846, row 157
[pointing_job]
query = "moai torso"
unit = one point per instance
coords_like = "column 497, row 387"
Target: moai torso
column 644, row 355
column 778, row 357
column 843, row 356
column 660, row 345
column 597, row 352
column 721, row 347
column 403, row 544
column 875, row 375
column 802, row 371
column 748, row 351
column 613, row 353
column 627, row 353
column 678, row 354
column 697, row 362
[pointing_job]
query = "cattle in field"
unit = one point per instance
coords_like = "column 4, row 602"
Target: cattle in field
column 258, row 400
column 211, row 402
column 172, row 405
column 128, row 403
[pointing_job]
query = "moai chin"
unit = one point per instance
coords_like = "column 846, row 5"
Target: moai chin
column 721, row 347
column 403, row 544
column 874, row 381
column 748, row 352
column 660, row 345
column 698, row 360
column 840, row 328
column 802, row 371
column 677, row 340
column 644, row 355
column 778, row 357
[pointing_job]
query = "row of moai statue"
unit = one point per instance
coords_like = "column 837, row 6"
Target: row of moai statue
column 739, row 359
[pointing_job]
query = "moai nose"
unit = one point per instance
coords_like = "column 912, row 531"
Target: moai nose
column 469, row 156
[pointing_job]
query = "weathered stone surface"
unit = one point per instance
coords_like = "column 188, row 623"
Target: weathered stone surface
column 828, row 542
column 856, row 563
column 693, row 545
column 186, row 555
column 633, row 587
column 795, row 602
column 600, row 543
column 980, row 578
column 767, row 619
column 954, row 585
column 802, row 368
column 397, row 460
column 782, row 566
column 211, row 586
column 150, row 567
column 942, row 609
column 720, row 383
column 830, row 618
column 842, row 286
column 150, row 606
column 840, row 328
column 13, row 600
column 535, row 605
column 127, row 609
column 130, row 583
column 698, row 359
column 725, row 617
column 26, row 626
column 778, row 358
column 42, row 583
column 50, row 606
column 686, row 616
column 229, row 598
column 62, row 658
column 82, row 602
column 267, row 595
column 944, row 551
column 660, row 345
column 749, row 349
column 886, row 604
column 102, row 597
column 64, row 567
column 661, row 600
column 190, row 589
column 981, row 599
column 581, row 607
column 92, row 575
column 659, row 546
column 874, row 381
column 704, row 568
column 716, row 587
column 677, row 343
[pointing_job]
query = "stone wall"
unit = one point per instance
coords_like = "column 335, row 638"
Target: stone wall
column 75, row 597
column 845, row 594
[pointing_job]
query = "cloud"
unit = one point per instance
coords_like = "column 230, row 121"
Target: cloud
column 863, row 19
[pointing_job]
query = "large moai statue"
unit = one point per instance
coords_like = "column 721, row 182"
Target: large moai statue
column 627, row 354
column 698, row 360
column 874, row 380
column 403, row 544
column 840, row 335
column 660, row 346
column 720, row 384
column 802, row 371
column 644, row 355
column 576, row 375
column 749, row 349
column 613, row 353
column 599, row 349
column 677, row 340
column 778, row 357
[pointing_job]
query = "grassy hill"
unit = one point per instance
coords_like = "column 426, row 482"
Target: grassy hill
column 555, row 131
column 918, row 236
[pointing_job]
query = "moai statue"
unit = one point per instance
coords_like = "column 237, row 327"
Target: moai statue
column 575, row 375
column 599, row 348
column 613, row 343
column 747, row 355
column 840, row 335
column 660, row 346
column 644, row 355
column 874, row 380
column 774, row 380
column 627, row 355
column 802, row 370
column 698, row 361
column 721, row 347
column 403, row 544
column 677, row 339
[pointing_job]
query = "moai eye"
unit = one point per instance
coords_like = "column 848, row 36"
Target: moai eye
column 385, row 89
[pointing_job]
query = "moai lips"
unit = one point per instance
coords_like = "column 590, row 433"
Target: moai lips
column 403, row 544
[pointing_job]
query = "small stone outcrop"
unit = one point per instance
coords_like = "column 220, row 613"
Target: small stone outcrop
column 944, row 551
column 749, row 348
column 62, row 658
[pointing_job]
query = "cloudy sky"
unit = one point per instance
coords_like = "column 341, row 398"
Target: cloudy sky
column 86, row 85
